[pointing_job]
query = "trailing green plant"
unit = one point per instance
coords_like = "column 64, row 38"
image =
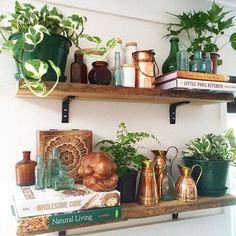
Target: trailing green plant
column 201, row 30
column 213, row 147
column 124, row 149
column 33, row 24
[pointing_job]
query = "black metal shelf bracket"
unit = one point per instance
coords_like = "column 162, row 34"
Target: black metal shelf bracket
column 65, row 108
column 175, row 216
column 172, row 110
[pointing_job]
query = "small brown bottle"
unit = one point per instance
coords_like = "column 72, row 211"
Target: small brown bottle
column 78, row 70
column 25, row 170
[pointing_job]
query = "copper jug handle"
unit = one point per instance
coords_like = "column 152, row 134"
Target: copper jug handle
column 155, row 75
column 200, row 174
column 177, row 151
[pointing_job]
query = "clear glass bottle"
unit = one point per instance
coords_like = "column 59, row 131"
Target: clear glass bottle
column 78, row 70
column 117, row 75
column 40, row 173
column 111, row 55
column 198, row 64
column 182, row 59
column 208, row 62
column 170, row 64
column 25, row 170
column 53, row 167
column 168, row 184
column 62, row 181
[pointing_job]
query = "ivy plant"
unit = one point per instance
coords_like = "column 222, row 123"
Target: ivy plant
column 33, row 24
column 213, row 147
column 124, row 149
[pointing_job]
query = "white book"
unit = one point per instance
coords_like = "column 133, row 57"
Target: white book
column 180, row 83
column 31, row 202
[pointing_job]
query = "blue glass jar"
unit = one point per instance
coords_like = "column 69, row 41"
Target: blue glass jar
column 198, row 63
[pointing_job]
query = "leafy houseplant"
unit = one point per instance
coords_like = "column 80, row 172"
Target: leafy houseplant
column 214, row 153
column 124, row 149
column 201, row 30
column 29, row 29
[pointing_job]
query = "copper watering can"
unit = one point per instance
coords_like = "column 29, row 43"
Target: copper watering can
column 145, row 68
column 185, row 187
column 147, row 189
column 160, row 161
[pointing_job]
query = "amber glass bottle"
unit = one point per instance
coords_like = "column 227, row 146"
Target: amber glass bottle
column 78, row 70
column 25, row 170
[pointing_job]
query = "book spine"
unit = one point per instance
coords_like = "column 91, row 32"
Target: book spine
column 43, row 223
column 202, row 76
column 196, row 84
column 193, row 76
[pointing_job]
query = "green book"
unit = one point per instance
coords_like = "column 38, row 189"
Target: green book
column 54, row 221
column 88, row 216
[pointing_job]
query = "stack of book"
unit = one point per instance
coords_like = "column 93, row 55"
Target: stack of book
column 197, row 81
column 40, row 210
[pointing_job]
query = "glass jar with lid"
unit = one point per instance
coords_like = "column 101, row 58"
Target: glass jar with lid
column 130, row 47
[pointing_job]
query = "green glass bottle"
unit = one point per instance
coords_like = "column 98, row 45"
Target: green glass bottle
column 168, row 184
column 53, row 167
column 62, row 181
column 198, row 64
column 170, row 64
column 40, row 173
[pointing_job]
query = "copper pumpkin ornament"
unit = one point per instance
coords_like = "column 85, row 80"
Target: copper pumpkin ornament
column 98, row 171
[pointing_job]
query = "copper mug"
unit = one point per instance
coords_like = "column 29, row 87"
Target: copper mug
column 145, row 65
column 185, row 187
column 160, row 164
column 147, row 189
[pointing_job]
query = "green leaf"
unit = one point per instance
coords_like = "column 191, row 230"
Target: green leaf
column 7, row 46
column 35, row 68
column 112, row 43
column 55, row 68
column 35, row 35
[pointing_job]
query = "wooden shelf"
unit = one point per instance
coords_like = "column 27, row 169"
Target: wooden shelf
column 134, row 210
column 115, row 93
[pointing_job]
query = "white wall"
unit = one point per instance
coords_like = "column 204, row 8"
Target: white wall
column 140, row 21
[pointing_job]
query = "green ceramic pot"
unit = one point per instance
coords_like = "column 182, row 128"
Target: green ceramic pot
column 214, row 175
column 53, row 47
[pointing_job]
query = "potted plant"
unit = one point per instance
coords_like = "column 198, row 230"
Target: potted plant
column 40, row 41
column 125, row 153
column 214, row 152
column 201, row 30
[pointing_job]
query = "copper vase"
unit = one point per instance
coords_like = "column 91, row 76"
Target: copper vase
column 185, row 187
column 148, row 190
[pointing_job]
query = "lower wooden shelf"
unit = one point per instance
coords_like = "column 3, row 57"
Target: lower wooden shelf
column 134, row 211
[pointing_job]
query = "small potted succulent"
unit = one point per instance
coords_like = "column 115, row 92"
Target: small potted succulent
column 125, row 153
column 201, row 30
column 40, row 41
column 214, row 153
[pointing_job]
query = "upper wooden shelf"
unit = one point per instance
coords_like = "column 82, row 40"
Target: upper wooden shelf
column 134, row 210
column 115, row 93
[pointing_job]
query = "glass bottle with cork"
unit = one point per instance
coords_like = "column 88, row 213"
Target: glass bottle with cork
column 25, row 170
column 78, row 70
column 170, row 64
